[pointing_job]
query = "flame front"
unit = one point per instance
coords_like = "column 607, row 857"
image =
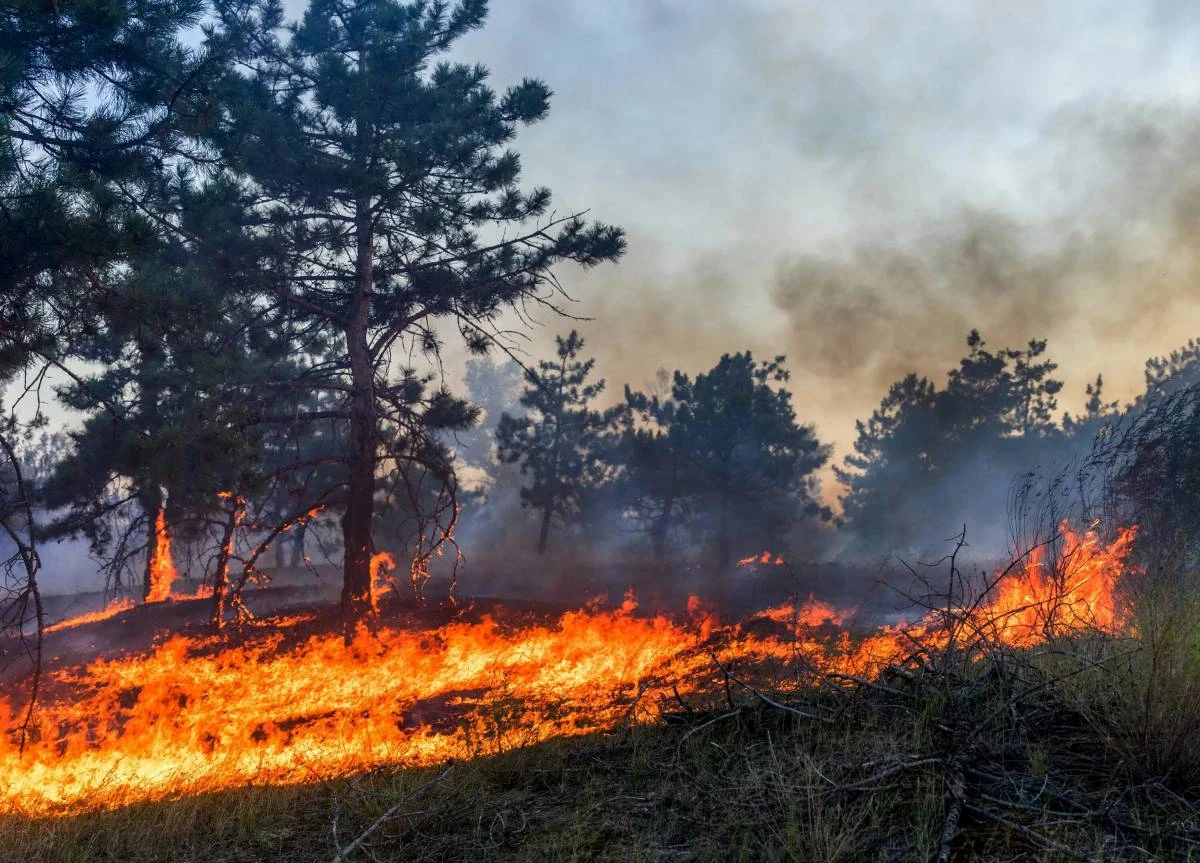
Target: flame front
column 194, row 714
column 110, row 610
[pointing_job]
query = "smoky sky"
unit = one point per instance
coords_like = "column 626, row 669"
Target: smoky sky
column 858, row 185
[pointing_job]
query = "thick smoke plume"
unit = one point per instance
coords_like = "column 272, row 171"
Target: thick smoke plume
column 858, row 192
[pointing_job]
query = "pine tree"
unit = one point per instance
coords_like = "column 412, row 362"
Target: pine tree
column 1176, row 371
column 557, row 443
column 380, row 201
column 750, row 465
column 925, row 446
column 175, row 418
column 93, row 93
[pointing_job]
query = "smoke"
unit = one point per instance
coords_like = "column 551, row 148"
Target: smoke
column 67, row 567
column 857, row 191
column 1107, row 275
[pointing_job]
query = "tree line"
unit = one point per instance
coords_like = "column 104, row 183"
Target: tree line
column 721, row 462
column 720, row 456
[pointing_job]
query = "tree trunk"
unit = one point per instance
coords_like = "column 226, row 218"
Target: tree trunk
column 360, row 492
column 298, row 544
column 150, row 496
column 544, row 534
column 724, row 547
column 662, row 528
column 221, row 576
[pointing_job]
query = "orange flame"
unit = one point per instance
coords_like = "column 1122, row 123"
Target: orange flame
column 764, row 559
column 382, row 564
column 110, row 610
column 812, row 614
column 192, row 714
column 162, row 567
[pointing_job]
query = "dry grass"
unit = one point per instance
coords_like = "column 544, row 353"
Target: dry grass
column 1141, row 695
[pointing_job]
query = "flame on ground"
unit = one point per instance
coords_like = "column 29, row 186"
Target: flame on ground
column 111, row 610
column 764, row 559
column 195, row 714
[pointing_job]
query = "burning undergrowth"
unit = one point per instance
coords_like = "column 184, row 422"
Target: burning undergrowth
column 192, row 711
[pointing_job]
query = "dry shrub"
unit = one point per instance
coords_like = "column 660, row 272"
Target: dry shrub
column 1141, row 693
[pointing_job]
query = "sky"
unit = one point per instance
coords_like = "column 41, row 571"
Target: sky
column 858, row 185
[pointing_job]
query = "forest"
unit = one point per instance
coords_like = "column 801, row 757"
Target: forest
column 295, row 510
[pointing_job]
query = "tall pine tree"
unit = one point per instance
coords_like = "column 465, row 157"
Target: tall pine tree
column 375, row 181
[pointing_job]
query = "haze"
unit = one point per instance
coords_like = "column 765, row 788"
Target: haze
column 857, row 186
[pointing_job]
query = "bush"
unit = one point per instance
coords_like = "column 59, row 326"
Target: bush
column 1141, row 693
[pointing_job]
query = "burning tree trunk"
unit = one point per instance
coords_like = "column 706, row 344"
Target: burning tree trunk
column 221, row 577
column 360, row 510
column 160, row 567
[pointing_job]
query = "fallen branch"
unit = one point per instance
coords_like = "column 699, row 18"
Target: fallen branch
column 956, row 792
column 344, row 853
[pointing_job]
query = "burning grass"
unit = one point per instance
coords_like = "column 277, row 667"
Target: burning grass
column 987, row 728
column 870, row 773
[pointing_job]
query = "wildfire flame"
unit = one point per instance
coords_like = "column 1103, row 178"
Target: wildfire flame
column 162, row 567
column 194, row 714
column 382, row 565
column 110, row 610
column 764, row 559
